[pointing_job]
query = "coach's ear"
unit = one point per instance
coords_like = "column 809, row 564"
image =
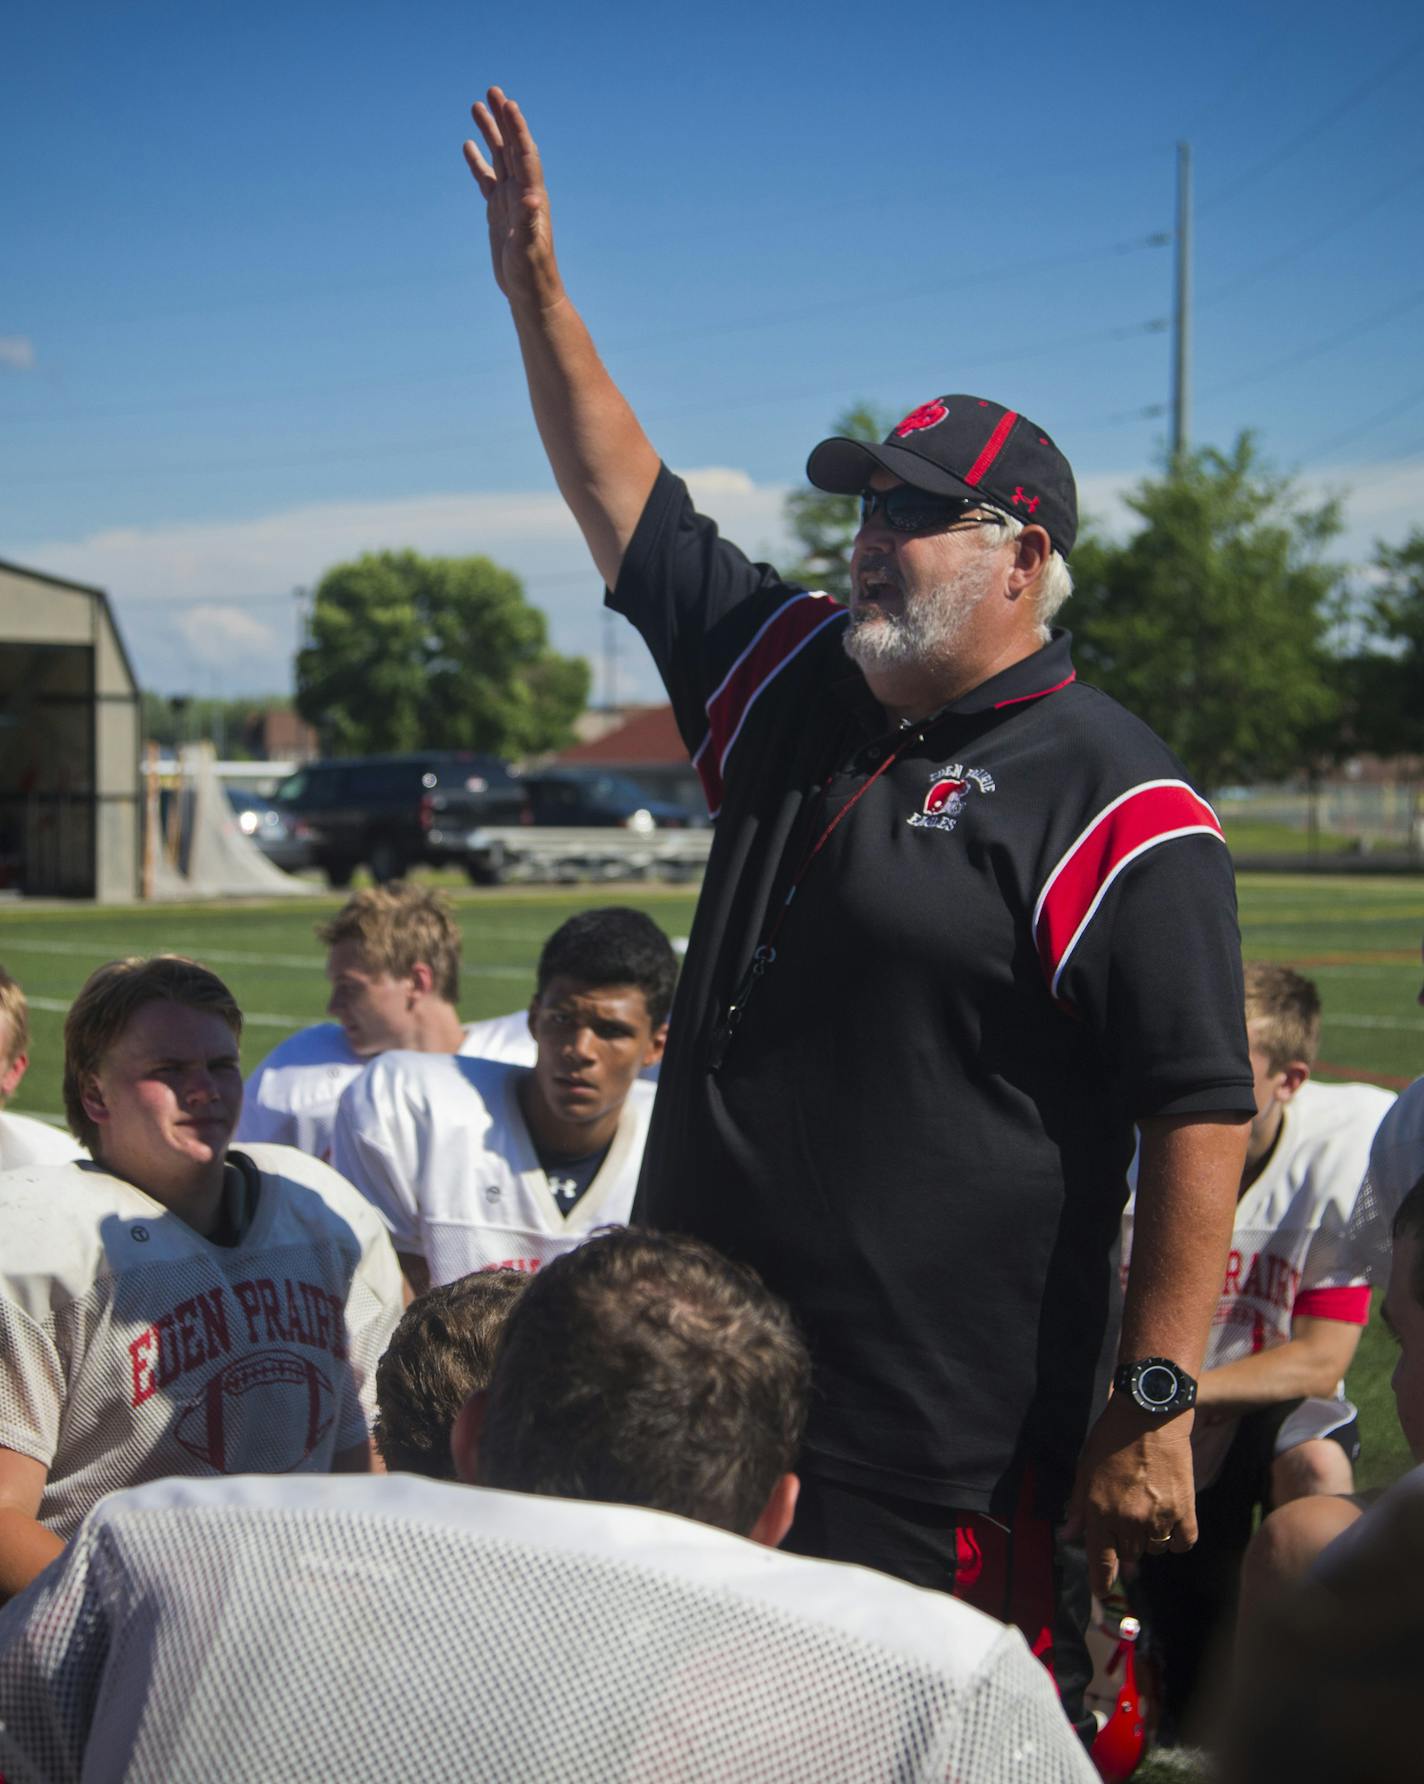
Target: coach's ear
column 465, row 1436
column 775, row 1520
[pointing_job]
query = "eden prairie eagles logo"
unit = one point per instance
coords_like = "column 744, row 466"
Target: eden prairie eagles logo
column 949, row 791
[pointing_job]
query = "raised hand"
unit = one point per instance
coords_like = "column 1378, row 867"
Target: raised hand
column 512, row 184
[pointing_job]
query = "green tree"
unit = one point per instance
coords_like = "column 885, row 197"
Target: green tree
column 825, row 525
column 409, row 652
column 1212, row 622
column 1386, row 678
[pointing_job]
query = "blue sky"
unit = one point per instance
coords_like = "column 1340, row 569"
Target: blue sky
column 247, row 327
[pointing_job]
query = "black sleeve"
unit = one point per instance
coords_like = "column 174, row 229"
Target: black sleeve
column 1157, row 975
column 697, row 601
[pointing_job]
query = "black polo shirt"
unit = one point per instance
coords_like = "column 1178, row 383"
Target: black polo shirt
column 1018, row 939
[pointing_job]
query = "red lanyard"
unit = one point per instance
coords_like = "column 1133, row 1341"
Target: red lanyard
column 765, row 954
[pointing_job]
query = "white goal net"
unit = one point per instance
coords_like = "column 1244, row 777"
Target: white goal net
column 198, row 848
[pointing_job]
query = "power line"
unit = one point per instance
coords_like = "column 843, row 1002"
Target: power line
column 614, row 344
column 1315, row 349
column 1399, row 59
column 1313, row 240
column 1368, row 426
column 468, row 442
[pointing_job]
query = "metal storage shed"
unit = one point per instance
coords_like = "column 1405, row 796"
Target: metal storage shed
column 70, row 807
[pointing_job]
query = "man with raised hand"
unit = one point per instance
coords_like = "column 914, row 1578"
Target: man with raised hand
column 614, row 1610
column 964, row 924
column 176, row 1306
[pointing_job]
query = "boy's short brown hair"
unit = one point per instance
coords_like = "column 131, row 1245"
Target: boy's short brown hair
column 111, row 998
column 644, row 1368
column 441, row 1352
column 1284, row 1009
column 398, row 926
column 14, row 1022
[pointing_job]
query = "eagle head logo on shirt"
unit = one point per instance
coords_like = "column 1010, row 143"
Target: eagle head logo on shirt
column 949, row 791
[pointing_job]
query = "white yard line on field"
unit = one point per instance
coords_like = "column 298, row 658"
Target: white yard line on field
column 1375, row 1022
column 250, row 1018
column 232, row 957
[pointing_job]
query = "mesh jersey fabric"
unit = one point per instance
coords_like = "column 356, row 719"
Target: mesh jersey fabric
column 1293, row 1251
column 291, row 1098
column 440, row 1147
column 370, row 1628
column 1396, row 1165
column 25, row 1141
column 135, row 1348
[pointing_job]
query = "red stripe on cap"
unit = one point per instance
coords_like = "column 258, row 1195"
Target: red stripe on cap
column 1350, row 1304
column 993, row 449
column 1141, row 818
column 789, row 629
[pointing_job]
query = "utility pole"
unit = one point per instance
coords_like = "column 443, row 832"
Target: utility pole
column 1181, row 319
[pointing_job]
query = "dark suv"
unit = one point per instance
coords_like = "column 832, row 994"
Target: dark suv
column 393, row 812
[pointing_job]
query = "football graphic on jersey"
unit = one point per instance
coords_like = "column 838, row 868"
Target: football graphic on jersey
column 268, row 1410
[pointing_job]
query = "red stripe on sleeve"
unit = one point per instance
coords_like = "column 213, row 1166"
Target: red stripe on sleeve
column 793, row 625
column 1350, row 1304
column 1140, row 819
column 991, row 450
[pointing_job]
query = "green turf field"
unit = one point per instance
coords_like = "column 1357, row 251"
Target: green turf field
column 1358, row 938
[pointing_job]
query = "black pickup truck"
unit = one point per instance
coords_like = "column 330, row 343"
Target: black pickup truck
column 391, row 813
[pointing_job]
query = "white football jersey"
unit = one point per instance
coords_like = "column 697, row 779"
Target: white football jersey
column 503, row 1037
column 135, row 1348
column 1397, row 1155
column 25, row 1141
column 380, row 1627
column 291, row 1098
column 440, row 1146
column 1291, row 1247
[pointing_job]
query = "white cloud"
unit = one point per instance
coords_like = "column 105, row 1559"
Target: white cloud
column 17, row 352
column 179, row 588
column 204, row 600
column 215, row 634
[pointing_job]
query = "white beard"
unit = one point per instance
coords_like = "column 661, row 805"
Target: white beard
column 925, row 631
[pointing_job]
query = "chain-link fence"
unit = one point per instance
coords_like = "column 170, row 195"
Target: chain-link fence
column 1330, row 818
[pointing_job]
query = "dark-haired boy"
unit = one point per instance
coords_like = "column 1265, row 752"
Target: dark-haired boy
column 478, row 1165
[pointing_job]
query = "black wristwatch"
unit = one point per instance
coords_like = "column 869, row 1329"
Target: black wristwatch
column 1157, row 1384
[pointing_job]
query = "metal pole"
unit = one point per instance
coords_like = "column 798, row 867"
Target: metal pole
column 1181, row 320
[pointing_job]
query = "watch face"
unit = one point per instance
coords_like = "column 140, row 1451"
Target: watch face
column 1158, row 1385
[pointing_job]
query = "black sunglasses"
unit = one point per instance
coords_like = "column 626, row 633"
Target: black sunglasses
column 910, row 510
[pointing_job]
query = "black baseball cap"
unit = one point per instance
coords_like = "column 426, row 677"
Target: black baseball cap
column 963, row 446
